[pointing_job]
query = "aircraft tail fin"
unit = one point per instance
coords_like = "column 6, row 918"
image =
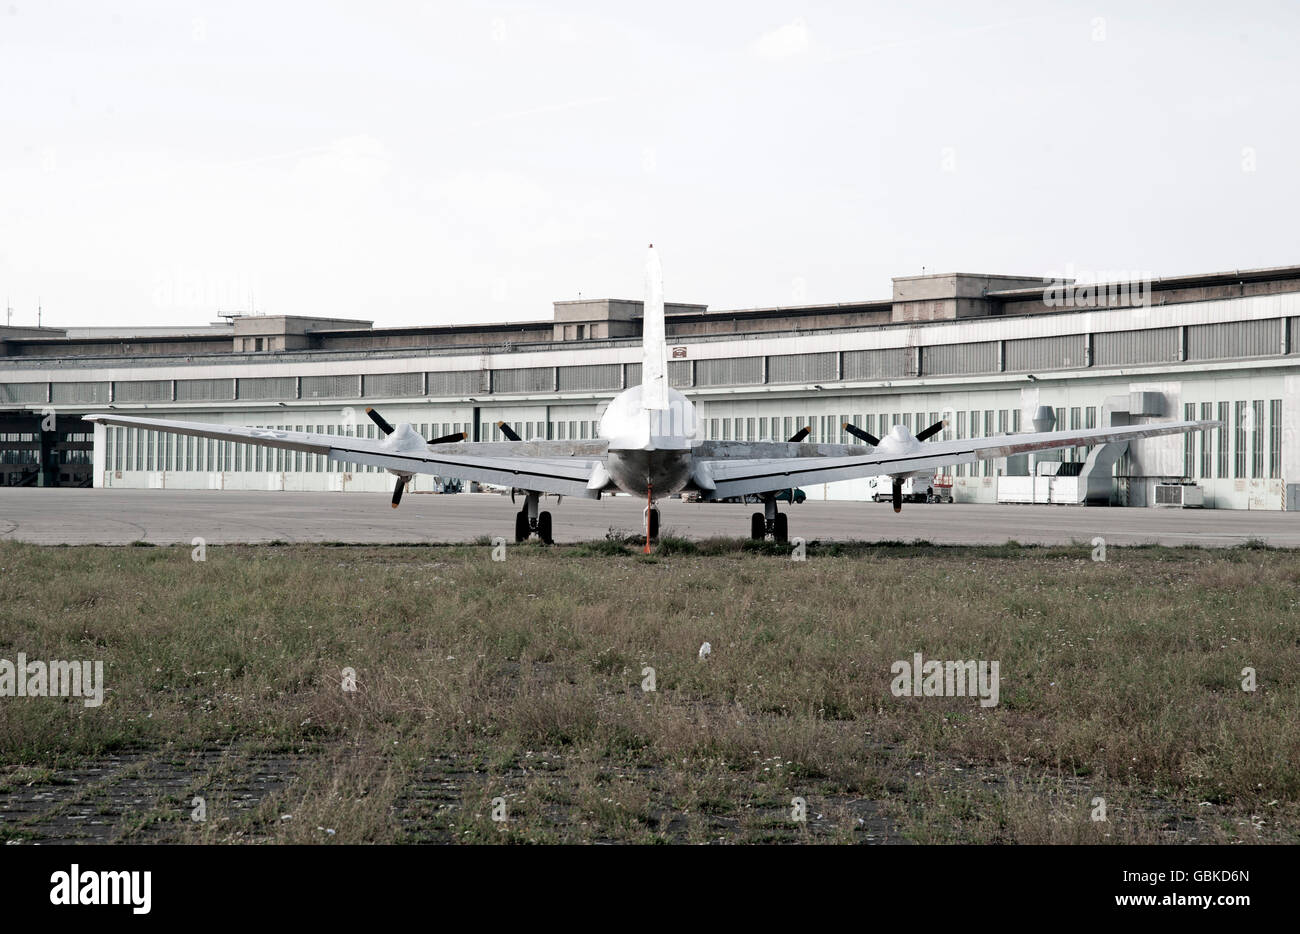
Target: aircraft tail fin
column 654, row 347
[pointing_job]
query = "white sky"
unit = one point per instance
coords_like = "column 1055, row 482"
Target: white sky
column 439, row 163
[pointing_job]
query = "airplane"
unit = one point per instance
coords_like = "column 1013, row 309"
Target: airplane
column 648, row 445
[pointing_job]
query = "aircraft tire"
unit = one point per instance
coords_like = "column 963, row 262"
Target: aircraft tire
column 521, row 526
column 781, row 528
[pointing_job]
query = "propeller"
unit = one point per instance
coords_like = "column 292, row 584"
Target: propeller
column 380, row 421
column 510, row 433
column 898, row 494
column 932, row 430
column 800, row 435
column 860, row 434
column 397, row 491
column 448, row 439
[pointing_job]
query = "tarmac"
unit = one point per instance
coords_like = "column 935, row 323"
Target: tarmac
column 58, row 516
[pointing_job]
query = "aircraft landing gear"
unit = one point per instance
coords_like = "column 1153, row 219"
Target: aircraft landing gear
column 769, row 521
column 653, row 522
column 529, row 520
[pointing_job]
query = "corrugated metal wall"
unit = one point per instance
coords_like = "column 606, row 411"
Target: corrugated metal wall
column 589, row 378
column 1233, row 339
column 22, row 392
column 738, row 371
column 267, row 387
column 79, row 392
column 632, row 374
column 455, row 382
column 525, row 379
column 801, row 368
column 329, row 387
column 205, row 390
column 890, row 363
column 679, row 374
column 1293, row 337
column 391, row 385
column 144, row 390
column 940, row 359
column 1123, row 348
column 1045, row 353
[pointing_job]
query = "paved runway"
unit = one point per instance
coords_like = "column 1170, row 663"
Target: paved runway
column 117, row 517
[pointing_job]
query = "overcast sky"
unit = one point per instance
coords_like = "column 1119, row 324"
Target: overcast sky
column 437, row 163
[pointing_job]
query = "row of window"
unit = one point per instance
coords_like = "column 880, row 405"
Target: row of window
column 1251, row 447
column 141, row 449
column 1240, row 449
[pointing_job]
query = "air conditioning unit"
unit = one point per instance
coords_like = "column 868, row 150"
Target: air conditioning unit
column 1185, row 495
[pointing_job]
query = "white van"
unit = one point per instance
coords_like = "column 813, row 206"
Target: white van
column 920, row 489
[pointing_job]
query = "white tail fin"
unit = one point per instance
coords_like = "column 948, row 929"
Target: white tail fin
column 654, row 349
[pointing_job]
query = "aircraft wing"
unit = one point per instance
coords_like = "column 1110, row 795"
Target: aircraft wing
column 737, row 476
column 544, row 466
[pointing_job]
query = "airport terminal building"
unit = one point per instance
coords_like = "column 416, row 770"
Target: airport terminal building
column 992, row 354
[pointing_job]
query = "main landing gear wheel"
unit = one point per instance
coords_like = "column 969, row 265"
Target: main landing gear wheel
column 521, row 526
column 544, row 528
column 654, row 524
column 781, row 527
column 757, row 527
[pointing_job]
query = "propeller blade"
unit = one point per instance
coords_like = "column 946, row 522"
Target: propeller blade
column 800, row 435
column 448, row 439
column 898, row 494
column 397, row 491
column 932, row 430
column 380, row 421
column 860, row 434
column 510, row 433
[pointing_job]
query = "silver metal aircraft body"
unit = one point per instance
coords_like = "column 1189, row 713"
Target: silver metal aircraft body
column 649, row 446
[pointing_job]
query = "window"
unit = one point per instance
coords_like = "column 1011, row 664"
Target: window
column 1257, row 439
column 1275, row 439
column 1189, row 441
column 1239, row 445
column 961, row 436
column 1207, row 442
column 988, row 469
column 1222, row 435
column 1015, row 420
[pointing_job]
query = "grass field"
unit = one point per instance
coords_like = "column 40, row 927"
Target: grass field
column 521, row 682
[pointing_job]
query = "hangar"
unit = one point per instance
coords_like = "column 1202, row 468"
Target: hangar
column 991, row 354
